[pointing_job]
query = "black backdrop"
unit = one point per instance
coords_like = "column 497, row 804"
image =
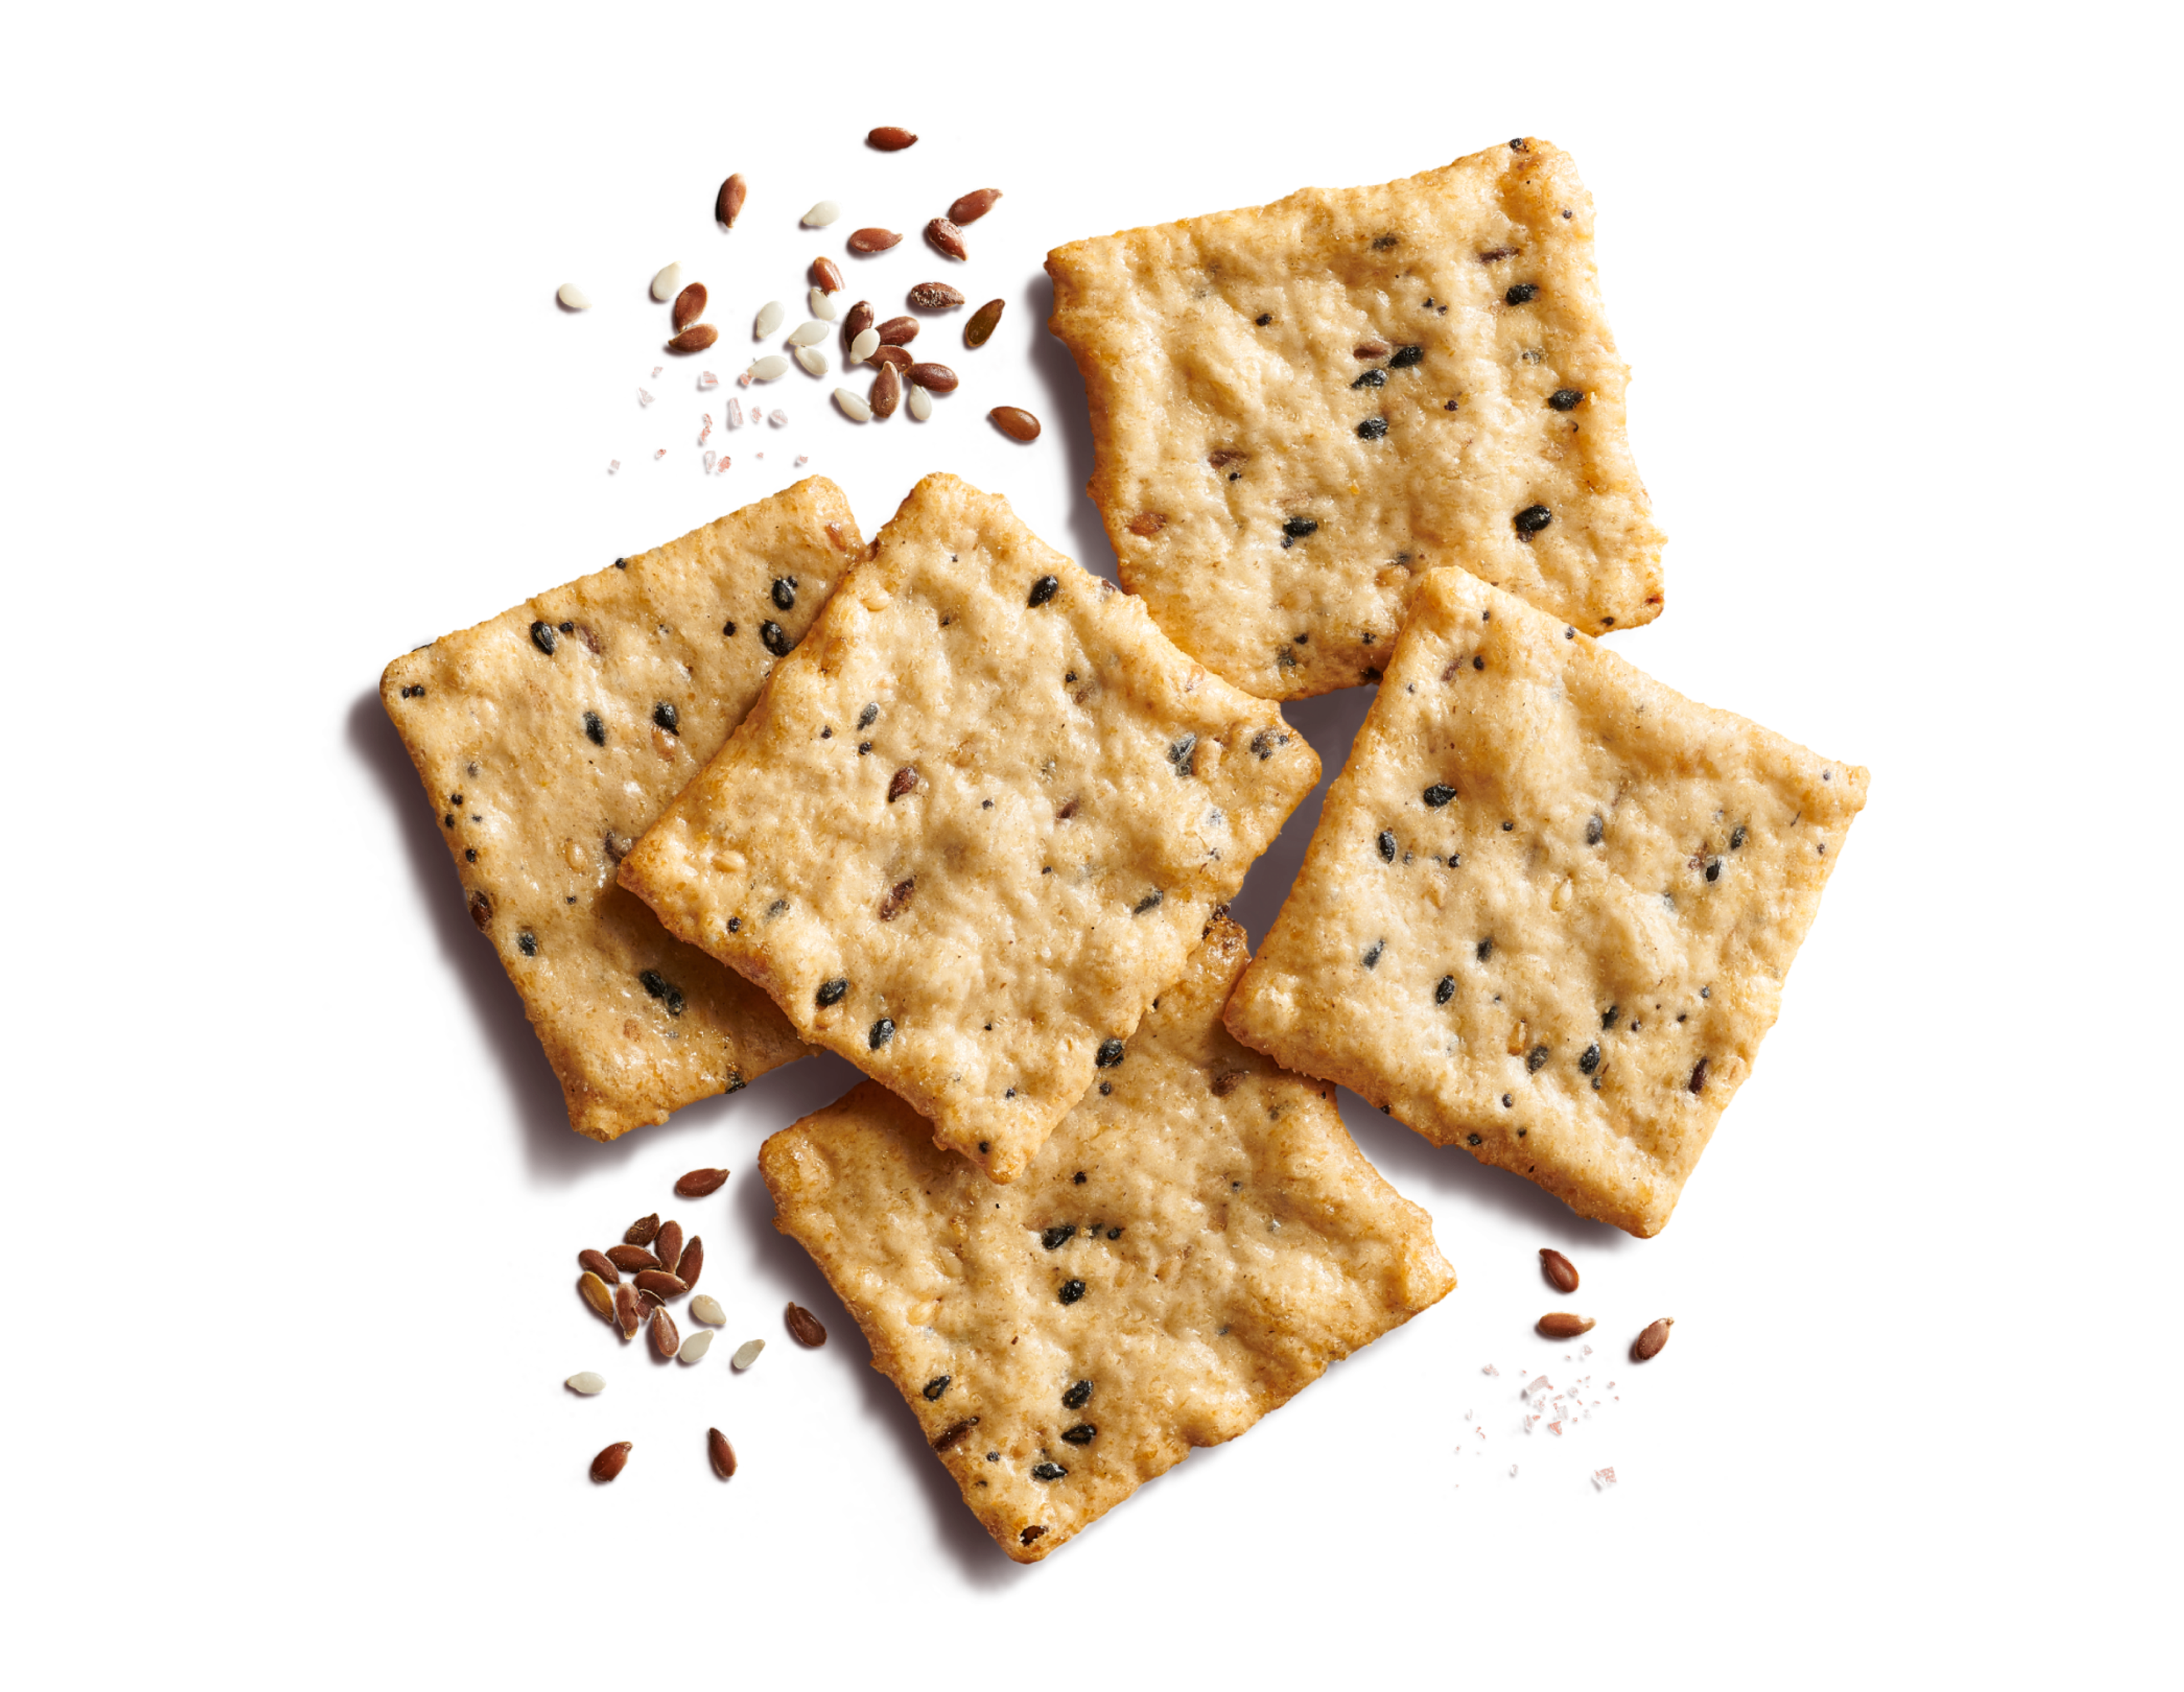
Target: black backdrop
column 479, row 429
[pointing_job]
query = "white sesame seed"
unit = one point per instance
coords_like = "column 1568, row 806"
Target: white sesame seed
column 866, row 343
column 696, row 1346
column 706, row 1308
column 747, row 1353
column 822, row 214
column 823, row 306
column 573, row 297
column 809, row 334
column 812, row 360
column 768, row 319
column 667, row 283
column 853, row 405
column 766, row 369
column 921, row 404
column 587, row 1384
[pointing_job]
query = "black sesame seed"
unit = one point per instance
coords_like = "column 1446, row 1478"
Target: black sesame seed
column 1595, row 827
column 1591, row 1060
column 1296, row 528
column 735, row 925
column 868, row 716
column 1387, row 846
column 1450, row 406
column 1263, row 319
column 1147, row 903
column 1081, row 1434
column 1737, row 837
column 1105, row 1088
column 1372, row 428
column 1521, row 294
column 1070, row 1291
column 1381, row 243
column 1509, row 1103
column 1607, row 1017
column 1698, row 1075
column 1473, row 1139
column 622, row 564
column 1535, row 1059
column 471, row 856
column 528, row 943
column 827, row 732
column 1114, row 1233
column 1713, row 869
column 784, row 592
column 1439, row 794
column 936, row 1386
column 542, row 636
column 594, row 730
column 568, row 628
column 771, row 637
column 1182, row 754
column 1048, row 1471
column 728, row 628
column 882, row 1031
column 832, row 992
column 1044, row 589
column 985, row 1146
column 1111, row 1053
column 1533, row 519
column 1508, row 827
column 1375, row 378
column 1266, row 742
column 1444, row 989
column 1478, row 663
column 863, row 747
column 1372, row 959
column 1485, row 949
column 1564, row 398
column 667, row 717
column 1058, row 1236
column 1078, row 1396
column 1406, row 357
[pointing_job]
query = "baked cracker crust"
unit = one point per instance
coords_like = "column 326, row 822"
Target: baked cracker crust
column 1231, row 1240
column 496, row 727
column 1211, row 429
column 1053, row 799
column 1457, row 963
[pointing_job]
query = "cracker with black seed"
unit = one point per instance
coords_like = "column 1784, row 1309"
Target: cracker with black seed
column 551, row 736
column 1299, row 409
column 1185, row 1254
column 1550, row 906
column 975, row 824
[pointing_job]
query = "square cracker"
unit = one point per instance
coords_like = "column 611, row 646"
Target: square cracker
column 1549, row 907
column 975, row 824
column 1227, row 1238
column 1222, row 357
column 634, row 1022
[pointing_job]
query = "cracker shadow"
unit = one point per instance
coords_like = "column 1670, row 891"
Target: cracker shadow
column 1328, row 723
column 1067, row 414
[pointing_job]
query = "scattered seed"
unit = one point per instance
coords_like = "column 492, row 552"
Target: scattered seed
column 921, row 404
column 1532, row 519
column 661, row 1283
column 812, row 360
column 768, row 319
column 668, row 1247
column 631, row 1258
column 720, row 1454
column 886, row 391
column 706, row 1308
column 980, row 329
column 600, row 1265
column 809, row 334
column 1048, row 1471
column 664, row 1339
column 1698, row 1076
column 700, row 1183
column 860, row 320
column 1015, row 422
column 1078, row 1396
column 596, row 1295
column 889, row 139
column 865, row 343
column 766, row 369
column 803, row 1327
column 873, row 240
column 696, row 1346
column 822, row 214
column 1372, row 429
column 665, row 282
column 898, row 332
column 946, row 239
column 897, row 356
column 855, row 406
column 1565, row 398
column 1439, row 794
column 823, row 307
column 641, row 1232
column 728, row 203
column 573, row 297
column 933, row 378
column 1559, row 1269
column 747, row 1354
column 587, row 1383
column 1561, row 1325
column 935, row 297
column 1648, row 1344
column 608, row 1463
column 974, row 205
column 629, row 1313
column 689, row 305
column 827, row 275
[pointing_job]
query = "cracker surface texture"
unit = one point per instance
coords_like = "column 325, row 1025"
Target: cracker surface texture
column 975, row 824
column 1550, row 906
column 549, row 739
column 1300, row 410
column 1185, row 1254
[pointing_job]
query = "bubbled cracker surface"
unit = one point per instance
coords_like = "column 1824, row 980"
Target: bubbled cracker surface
column 1231, row 1238
column 1162, row 323
column 501, row 724
column 1534, row 725
column 1017, row 945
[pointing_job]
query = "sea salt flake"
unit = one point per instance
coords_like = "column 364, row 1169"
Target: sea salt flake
column 734, row 413
column 1490, row 1370
column 1513, row 1471
column 708, row 464
column 707, row 381
column 707, row 429
column 658, row 455
column 1554, row 1428
column 777, row 417
column 1585, row 1351
column 643, row 398
column 656, row 369
column 613, row 464
column 1603, row 1479
column 1541, row 1382
column 803, row 459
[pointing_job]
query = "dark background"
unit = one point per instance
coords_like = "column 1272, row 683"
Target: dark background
column 1765, row 431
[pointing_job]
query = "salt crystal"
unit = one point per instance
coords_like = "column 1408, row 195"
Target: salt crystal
column 743, row 380
column 1585, row 1351
column 1603, row 1479
column 707, row 381
column 803, row 459
column 1541, row 1382
column 1611, row 1386
column 1490, row 1370
column 658, row 455
column 643, row 397
column 1554, row 1428
column 1513, row 1471
column 777, row 417
column 656, row 369
column 708, row 464
column 734, row 413
column 613, row 464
